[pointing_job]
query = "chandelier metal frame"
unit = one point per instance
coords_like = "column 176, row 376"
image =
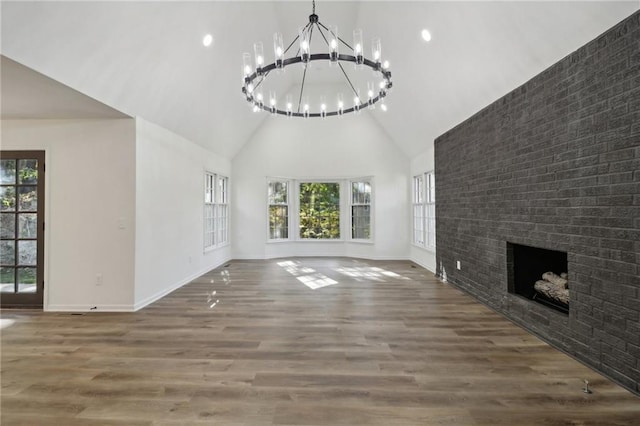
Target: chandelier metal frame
column 253, row 80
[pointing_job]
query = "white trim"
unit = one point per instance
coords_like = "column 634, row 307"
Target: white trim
column 320, row 240
column 424, row 248
column 176, row 286
column 426, row 202
column 47, row 227
column 215, row 204
column 417, row 262
column 372, row 199
column 293, row 206
column 286, row 181
column 218, row 247
column 266, row 257
column 362, row 241
column 85, row 308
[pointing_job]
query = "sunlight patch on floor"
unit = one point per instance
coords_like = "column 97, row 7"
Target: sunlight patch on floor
column 307, row 276
column 368, row 273
column 6, row 323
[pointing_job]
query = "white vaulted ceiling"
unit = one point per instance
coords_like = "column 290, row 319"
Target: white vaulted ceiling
column 147, row 59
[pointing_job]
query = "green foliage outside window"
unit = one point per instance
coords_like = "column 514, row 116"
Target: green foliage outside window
column 320, row 210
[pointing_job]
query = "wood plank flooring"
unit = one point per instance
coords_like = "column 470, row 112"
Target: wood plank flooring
column 298, row 341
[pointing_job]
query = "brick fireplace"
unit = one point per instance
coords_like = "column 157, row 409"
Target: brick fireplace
column 528, row 265
column 555, row 165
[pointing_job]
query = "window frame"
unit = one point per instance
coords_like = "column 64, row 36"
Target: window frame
column 423, row 211
column 209, row 234
column 341, row 192
column 351, row 204
column 430, row 211
column 287, row 204
column 215, row 211
column 293, row 204
column 222, row 210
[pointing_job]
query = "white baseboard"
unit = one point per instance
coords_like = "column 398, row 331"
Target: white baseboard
column 187, row 280
column 422, row 265
column 85, row 308
column 265, row 257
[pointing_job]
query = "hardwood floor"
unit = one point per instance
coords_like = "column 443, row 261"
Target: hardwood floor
column 375, row 343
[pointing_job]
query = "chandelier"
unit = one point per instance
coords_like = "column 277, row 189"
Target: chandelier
column 256, row 72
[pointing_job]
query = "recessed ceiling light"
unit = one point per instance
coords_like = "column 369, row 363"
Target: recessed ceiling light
column 207, row 40
column 426, row 35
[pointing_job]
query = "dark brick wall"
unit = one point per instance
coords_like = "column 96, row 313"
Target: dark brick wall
column 555, row 164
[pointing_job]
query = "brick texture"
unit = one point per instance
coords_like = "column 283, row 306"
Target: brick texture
column 555, row 164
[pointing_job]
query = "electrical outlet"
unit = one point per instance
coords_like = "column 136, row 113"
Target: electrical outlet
column 98, row 279
column 458, row 265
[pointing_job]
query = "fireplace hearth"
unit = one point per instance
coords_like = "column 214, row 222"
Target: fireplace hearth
column 539, row 275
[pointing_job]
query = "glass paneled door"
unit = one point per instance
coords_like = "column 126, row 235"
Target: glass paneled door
column 21, row 228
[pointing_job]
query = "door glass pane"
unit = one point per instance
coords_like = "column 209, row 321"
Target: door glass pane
column 27, row 225
column 7, row 278
column 7, row 225
column 26, row 280
column 27, row 252
column 7, row 252
column 28, row 171
column 7, row 171
column 7, row 198
column 28, row 198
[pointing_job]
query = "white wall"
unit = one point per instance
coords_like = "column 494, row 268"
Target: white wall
column 169, row 212
column 354, row 146
column 89, row 208
column 420, row 164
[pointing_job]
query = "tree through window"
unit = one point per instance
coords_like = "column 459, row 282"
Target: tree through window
column 319, row 210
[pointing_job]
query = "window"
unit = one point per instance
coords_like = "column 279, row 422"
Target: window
column 319, row 210
column 360, row 210
column 222, row 211
column 216, row 210
column 209, row 193
column 278, row 194
column 424, row 210
column 430, row 208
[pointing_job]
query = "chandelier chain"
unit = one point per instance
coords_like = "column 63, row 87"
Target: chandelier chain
column 314, row 7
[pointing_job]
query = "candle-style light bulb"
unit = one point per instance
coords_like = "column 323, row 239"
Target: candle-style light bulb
column 376, row 50
column 246, row 65
column 358, row 46
column 289, row 104
column 333, row 44
column 258, row 51
column 304, row 45
column 278, row 50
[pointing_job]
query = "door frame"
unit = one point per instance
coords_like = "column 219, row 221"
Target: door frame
column 31, row 300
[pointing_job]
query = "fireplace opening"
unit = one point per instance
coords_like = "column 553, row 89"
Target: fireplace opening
column 538, row 274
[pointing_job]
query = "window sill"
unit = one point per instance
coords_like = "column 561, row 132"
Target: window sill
column 305, row 240
column 367, row 242
column 322, row 241
column 214, row 248
column 279, row 241
column 428, row 249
